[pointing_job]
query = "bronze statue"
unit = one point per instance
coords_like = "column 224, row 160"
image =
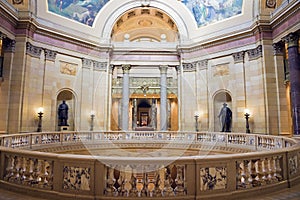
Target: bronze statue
column 225, row 118
column 63, row 114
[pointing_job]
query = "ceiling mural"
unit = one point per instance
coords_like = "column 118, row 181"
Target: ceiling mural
column 205, row 11
column 83, row 11
column 210, row 11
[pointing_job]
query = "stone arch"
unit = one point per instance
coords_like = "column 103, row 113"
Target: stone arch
column 220, row 97
column 70, row 98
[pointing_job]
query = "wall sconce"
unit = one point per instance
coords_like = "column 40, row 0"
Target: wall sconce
column 196, row 116
column 40, row 116
column 247, row 115
column 92, row 120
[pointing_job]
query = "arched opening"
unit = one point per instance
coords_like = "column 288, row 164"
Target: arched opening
column 220, row 99
column 69, row 99
column 145, row 24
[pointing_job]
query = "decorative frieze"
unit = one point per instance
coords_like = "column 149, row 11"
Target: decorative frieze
column 32, row 50
column 238, row 57
column 278, row 48
column 9, row 45
column 68, row 68
column 100, row 66
column 189, row 67
column 220, row 70
column 255, row 53
column 50, row 55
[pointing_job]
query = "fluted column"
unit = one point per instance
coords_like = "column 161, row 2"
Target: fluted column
column 163, row 98
column 294, row 65
column 125, row 98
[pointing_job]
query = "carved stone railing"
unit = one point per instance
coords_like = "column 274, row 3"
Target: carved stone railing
column 273, row 164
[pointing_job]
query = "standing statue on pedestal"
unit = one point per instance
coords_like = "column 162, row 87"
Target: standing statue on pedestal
column 63, row 114
column 225, row 118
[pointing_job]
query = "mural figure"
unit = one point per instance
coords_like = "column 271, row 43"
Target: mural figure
column 63, row 114
column 225, row 118
column 209, row 11
column 83, row 11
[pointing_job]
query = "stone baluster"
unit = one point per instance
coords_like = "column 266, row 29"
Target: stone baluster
column 251, row 173
column 264, row 171
column 278, row 168
column 30, row 170
column 258, row 172
column 9, row 167
column 179, row 189
column 110, row 181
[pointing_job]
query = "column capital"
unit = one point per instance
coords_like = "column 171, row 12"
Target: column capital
column 238, row 57
column 87, row 63
column 111, row 68
column 32, row 50
column 50, row 55
column 292, row 40
column 255, row 53
column 278, row 48
column 163, row 69
column 9, row 45
column 126, row 68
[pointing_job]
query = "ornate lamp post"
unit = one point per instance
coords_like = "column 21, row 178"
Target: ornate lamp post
column 92, row 120
column 196, row 116
column 40, row 116
column 247, row 120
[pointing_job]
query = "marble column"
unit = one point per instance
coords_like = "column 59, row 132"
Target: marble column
column 294, row 65
column 125, row 98
column 163, row 98
column 134, row 113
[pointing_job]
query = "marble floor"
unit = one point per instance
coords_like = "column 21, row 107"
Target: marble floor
column 286, row 194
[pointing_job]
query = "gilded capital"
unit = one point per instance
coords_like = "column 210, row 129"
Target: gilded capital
column 278, row 48
column 292, row 40
column 163, row 69
column 126, row 68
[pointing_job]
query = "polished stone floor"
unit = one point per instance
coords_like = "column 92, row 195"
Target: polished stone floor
column 286, row 194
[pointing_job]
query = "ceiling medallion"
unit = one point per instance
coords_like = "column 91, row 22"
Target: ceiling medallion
column 145, row 22
column 271, row 3
column 17, row 1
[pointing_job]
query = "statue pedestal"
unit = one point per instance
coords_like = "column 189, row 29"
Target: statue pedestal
column 64, row 128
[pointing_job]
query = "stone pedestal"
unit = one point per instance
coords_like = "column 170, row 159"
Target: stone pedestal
column 64, row 128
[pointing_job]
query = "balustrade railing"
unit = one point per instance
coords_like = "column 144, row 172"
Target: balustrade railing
column 276, row 164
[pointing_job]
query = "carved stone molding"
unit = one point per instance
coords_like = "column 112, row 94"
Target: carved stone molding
column 189, row 67
column 238, row 57
column 278, row 48
column 87, row 63
column 101, row 66
column 255, row 53
column 33, row 51
column 292, row 40
column 9, row 45
column 50, row 55
column 271, row 3
column 126, row 68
